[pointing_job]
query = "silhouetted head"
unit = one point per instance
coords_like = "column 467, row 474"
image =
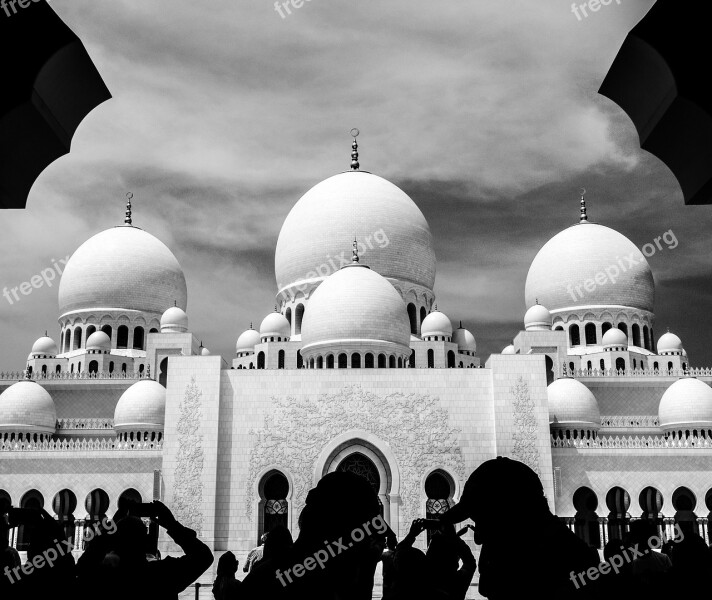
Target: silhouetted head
column 611, row 548
column 442, row 554
column 131, row 540
column 411, row 567
column 643, row 532
column 692, row 555
column 496, row 490
column 227, row 565
column 278, row 541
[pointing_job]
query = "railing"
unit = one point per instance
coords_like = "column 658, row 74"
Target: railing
column 77, row 424
column 630, row 422
column 78, row 445
column 66, row 375
column 691, row 372
column 635, row 442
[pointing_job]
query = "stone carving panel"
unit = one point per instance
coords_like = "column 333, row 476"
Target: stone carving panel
column 415, row 425
column 525, row 426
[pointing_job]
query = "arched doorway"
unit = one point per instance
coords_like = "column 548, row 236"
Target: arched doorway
column 439, row 491
column 684, row 501
column 618, row 502
column 32, row 499
column 651, row 501
column 363, row 466
column 274, row 506
column 96, row 503
column 64, row 504
column 586, row 519
column 549, row 369
column 163, row 372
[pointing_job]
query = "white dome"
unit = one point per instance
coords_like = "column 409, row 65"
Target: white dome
column 465, row 340
column 669, row 342
column 316, row 237
column 356, row 305
column 537, row 318
column 142, row 407
column 509, row 350
column 122, row 268
column 580, row 253
column 26, row 407
column 174, row 320
column 204, row 351
column 98, row 341
column 436, row 323
column 275, row 325
column 572, row 405
column 247, row 340
column 686, row 403
column 615, row 337
column 44, row 346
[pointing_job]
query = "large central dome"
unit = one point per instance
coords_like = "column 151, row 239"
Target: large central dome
column 315, row 240
column 587, row 251
column 122, row 268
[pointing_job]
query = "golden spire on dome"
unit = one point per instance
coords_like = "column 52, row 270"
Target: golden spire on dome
column 354, row 150
column 584, row 217
column 354, row 252
column 127, row 219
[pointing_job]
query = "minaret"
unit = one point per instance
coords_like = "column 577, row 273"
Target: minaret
column 354, row 150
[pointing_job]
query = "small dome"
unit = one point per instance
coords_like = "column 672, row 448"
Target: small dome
column 247, row 340
column 275, row 325
column 142, row 407
column 174, row 320
column 509, row 350
column 572, row 405
column 204, row 351
column 464, row 339
column 669, row 342
column 26, row 407
column 436, row 323
column 538, row 318
column 614, row 337
column 98, row 341
column 686, row 403
column 45, row 346
column 415, row 338
column 356, row 305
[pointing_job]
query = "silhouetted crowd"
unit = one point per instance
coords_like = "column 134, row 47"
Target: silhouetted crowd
column 526, row 552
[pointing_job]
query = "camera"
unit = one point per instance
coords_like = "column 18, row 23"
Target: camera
column 142, row 510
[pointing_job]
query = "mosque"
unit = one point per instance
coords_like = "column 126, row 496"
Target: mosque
column 356, row 369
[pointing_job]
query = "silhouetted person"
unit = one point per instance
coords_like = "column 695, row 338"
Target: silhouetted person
column 341, row 539
column 278, row 543
column 691, row 567
column 124, row 572
column 254, row 556
column 648, row 572
column 505, row 499
column 226, row 586
column 388, row 564
column 445, row 552
column 410, row 580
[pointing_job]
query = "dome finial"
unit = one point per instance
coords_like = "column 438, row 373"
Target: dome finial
column 148, row 371
column 127, row 219
column 354, row 150
column 251, row 325
column 584, row 217
column 354, row 252
column 275, row 308
column 28, row 373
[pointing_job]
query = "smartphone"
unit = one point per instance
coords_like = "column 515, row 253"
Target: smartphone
column 432, row 523
column 143, row 510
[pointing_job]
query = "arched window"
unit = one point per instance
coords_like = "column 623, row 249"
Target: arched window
column 311, row 363
column 107, row 330
column 122, row 337
column 298, row 316
column 617, row 502
column 636, row 335
column 32, row 499
column 590, row 330
column 320, row 362
column 391, row 362
column 646, row 337
column 138, row 338
column 280, row 359
column 141, row 368
column 589, row 366
column 431, row 359
column 260, row 360
column 123, row 367
column 413, row 317
column 300, row 360
column 669, row 366
column 439, row 490
column 77, row 338
column 624, row 328
column 586, row 520
column 635, row 364
column 549, row 364
column 44, row 370
column 58, row 369
column 153, row 330
column 574, row 335
column 572, row 368
column 620, row 364
column 603, row 365
column 288, row 315
column 343, row 361
column 96, row 504
column 684, row 501
column 111, row 367
column 558, row 328
column 274, row 489
column 355, row 360
column 605, row 327
column 651, row 501
column 400, row 362
column 330, row 361
column 656, row 366
column 91, row 329
column 163, row 372
column 423, row 314
column 93, row 366
column 450, row 359
column 64, row 504
column 381, row 361
column 412, row 359
column 368, row 362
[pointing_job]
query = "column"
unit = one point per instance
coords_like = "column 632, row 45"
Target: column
column 601, row 533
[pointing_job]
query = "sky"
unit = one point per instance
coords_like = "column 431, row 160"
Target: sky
column 225, row 113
